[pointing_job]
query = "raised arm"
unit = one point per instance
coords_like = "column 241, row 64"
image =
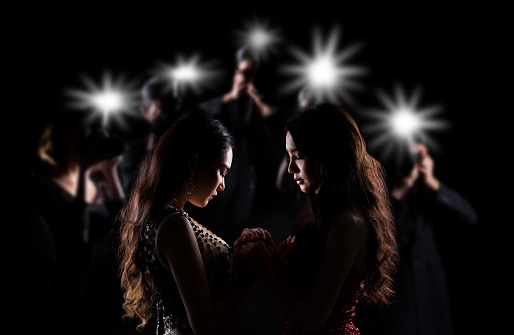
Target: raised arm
column 110, row 171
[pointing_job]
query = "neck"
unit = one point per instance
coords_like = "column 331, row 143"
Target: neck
column 178, row 201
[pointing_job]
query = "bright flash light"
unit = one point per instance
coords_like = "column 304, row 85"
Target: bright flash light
column 185, row 73
column 108, row 101
column 112, row 97
column 325, row 72
column 188, row 74
column 321, row 71
column 394, row 128
column 259, row 36
column 404, row 122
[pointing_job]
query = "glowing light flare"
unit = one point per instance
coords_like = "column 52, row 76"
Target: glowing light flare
column 394, row 128
column 404, row 122
column 259, row 36
column 188, row 73
column 112, row 96
column 185, row 73
column 321, row 73
column 108, row 101
column 326, row 71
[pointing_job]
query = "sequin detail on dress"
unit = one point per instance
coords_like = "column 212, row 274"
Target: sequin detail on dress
column 342, row 317
column 220, row 267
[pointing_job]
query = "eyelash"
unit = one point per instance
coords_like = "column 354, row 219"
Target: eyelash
column 297, row 157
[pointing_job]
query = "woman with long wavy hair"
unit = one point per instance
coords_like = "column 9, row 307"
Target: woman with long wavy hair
column 173, row 268
column 344, row 247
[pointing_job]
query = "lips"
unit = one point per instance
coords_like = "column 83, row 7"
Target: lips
column 299, row 181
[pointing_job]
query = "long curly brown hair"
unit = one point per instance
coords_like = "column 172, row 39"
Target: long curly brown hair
column 349, row 176
column 160, row 175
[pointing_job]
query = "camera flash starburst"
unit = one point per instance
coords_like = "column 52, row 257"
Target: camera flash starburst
column 112, row 97
column 325, row 72
column 259, row 36
column 188, row 73
column 394, row 128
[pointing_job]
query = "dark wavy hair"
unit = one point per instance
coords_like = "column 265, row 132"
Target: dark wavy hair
column 349, row 176
column 160, row 175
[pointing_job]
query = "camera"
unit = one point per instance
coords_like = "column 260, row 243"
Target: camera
column 103, row 144
column 406, row 158
column 249, row 74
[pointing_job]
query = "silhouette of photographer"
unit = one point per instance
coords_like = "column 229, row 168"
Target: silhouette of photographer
column 74, row 197
column 420, row 203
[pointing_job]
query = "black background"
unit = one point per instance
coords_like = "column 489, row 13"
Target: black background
column 456, row 54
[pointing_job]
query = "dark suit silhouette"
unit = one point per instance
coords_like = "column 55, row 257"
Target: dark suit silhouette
column 422, row 304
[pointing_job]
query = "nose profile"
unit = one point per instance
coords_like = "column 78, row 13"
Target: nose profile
column 221, row 186
column 292, row 168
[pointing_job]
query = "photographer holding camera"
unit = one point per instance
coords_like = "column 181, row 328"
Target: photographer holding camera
column 422, row 204
column 75, row 196
column 251, row 112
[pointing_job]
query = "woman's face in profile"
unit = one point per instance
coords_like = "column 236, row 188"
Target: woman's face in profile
column 300, row 166
column 209, row 179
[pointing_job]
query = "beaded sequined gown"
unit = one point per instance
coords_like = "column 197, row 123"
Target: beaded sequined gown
column 219, row 264
column 297, row 267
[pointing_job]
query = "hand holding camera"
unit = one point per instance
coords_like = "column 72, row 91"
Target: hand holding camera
column 98, row 146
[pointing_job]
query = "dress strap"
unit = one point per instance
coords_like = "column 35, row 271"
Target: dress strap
column 159, row 315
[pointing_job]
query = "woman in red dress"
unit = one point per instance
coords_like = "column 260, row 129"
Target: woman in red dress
column 344, row 247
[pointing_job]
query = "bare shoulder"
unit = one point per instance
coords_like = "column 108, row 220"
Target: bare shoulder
column 347, row 236
column 174, row 227
column 349, row 220
column 175, row 237
column 176, row 218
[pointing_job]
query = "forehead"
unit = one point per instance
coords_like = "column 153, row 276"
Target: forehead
column 225, row 159
column 227, row 156
column 290, row 145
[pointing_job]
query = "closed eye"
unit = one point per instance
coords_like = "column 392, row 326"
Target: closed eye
column 295, row 153
column 224, row 171
column 296, row 156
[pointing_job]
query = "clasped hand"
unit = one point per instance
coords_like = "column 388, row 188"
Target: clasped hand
column 256, row 247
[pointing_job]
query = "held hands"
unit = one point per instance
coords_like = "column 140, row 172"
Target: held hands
column 256, row 247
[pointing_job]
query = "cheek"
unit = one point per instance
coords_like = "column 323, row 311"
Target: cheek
column 308, row 171
column 211, row 182
column 300, row 165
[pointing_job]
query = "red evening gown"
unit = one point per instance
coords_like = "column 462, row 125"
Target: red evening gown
column 297, row 269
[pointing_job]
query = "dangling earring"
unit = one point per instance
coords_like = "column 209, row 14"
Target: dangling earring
column 190, row 186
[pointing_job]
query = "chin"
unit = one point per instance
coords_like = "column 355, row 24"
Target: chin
column 304, row 189
column 200, row 204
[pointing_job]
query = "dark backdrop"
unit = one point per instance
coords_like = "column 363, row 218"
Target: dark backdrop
column 456, row 54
